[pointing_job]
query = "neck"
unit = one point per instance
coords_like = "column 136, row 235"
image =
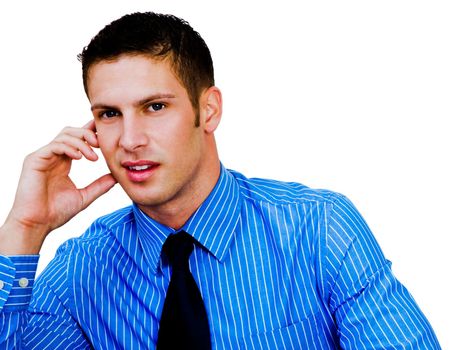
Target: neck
column 176, row 212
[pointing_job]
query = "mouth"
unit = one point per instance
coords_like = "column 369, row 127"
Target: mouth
column 139, row 171
column 139, row 167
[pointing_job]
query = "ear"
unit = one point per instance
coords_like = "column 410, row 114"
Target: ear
column 211, row 109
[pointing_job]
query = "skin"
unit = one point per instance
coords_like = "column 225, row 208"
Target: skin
column 144, row 117
column 142, row 114
column 46, row 198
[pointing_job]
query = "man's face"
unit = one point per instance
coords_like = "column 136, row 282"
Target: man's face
column 146, row 130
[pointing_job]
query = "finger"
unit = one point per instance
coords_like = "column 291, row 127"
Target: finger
column 48, row 156
column 96, row 189
column 91, row 125
column 85, row 134
column 58, row 149
column 77, row 143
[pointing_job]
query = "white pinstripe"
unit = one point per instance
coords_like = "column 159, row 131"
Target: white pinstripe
column 281, row 267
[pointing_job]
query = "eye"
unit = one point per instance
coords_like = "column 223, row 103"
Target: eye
column 157, row 106
column 109, row 114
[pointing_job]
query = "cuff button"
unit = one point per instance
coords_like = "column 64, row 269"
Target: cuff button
column 23, row 282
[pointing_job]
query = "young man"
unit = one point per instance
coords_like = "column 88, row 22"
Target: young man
column 278, row 265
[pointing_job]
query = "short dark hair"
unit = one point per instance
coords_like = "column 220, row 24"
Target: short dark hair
column 159, row 36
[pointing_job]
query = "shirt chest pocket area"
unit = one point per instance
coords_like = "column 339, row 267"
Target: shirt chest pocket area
column 306, row 334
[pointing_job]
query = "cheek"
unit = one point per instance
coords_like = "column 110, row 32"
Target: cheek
column 106, row 142
column 188, row 147
column 173, row 134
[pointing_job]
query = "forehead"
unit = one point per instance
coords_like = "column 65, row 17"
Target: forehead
column 131, row 73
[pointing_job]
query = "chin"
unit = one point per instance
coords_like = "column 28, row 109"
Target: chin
column 144, row 198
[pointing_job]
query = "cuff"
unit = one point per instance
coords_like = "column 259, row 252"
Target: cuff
column 17, row 276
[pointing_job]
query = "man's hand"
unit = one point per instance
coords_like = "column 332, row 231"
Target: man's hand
column 46, row 197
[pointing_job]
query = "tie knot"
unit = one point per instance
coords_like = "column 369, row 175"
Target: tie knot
column 178, row 248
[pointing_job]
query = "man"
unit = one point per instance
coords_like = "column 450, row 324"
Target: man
column 278, row 265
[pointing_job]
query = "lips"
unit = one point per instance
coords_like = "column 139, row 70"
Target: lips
column 139, row 171
column 139, row 167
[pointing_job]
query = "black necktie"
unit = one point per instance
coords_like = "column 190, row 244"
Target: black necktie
column 184, row 323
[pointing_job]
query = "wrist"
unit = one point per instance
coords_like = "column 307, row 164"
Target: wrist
column 19, row 239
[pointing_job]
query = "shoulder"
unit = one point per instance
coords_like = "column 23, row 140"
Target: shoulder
column 100, row 231
column 91, row 249
column 282, row 192
column 326, row 216
column 80, row 257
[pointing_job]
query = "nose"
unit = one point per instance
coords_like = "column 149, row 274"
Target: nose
column 133, row 135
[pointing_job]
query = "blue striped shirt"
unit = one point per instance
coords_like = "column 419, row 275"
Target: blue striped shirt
column 280, row 266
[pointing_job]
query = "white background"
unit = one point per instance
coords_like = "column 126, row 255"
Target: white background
column 353, row 96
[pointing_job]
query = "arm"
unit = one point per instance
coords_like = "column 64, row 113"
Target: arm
column 372, row 309
column 44, row 322
column 17, row 274
column 46, row 198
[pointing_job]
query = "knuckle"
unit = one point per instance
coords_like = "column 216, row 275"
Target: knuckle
column 66, row 129
column 29, row 156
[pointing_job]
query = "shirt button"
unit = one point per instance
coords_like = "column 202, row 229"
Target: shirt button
column 2, row 284
column 23, row 282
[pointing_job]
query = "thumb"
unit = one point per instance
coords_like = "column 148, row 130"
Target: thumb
column 96, row 189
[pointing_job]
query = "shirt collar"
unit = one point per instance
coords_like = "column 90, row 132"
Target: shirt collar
column 212, row 224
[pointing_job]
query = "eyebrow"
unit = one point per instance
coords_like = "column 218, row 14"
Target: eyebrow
column 138, row 103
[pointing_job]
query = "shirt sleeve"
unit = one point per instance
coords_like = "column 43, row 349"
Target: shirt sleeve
column 372, row 309
column 38, row 316
column 17, row 274
column 51, row 324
